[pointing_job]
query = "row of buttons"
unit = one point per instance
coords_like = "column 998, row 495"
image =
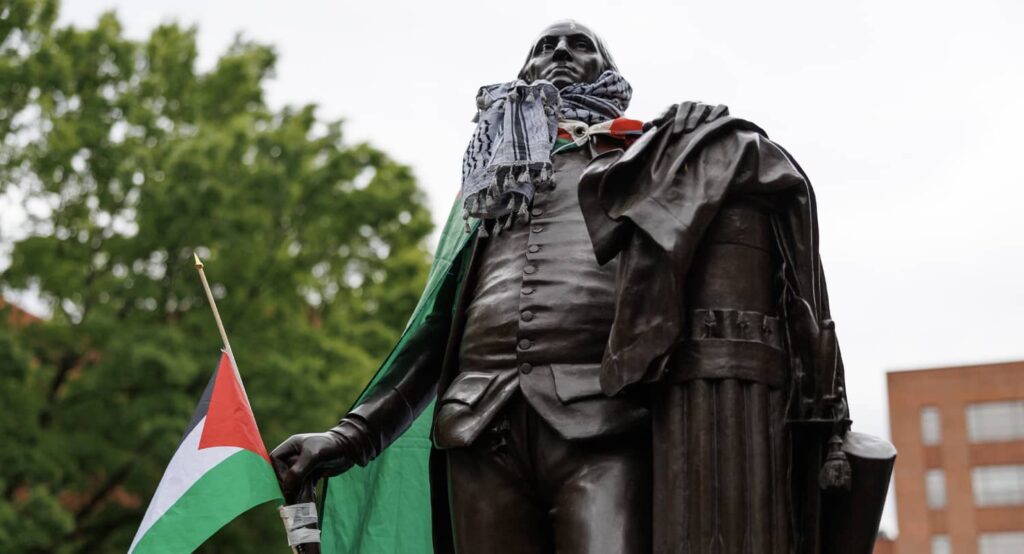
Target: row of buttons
column 526, row 315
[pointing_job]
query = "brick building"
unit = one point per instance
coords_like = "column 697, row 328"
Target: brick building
column 959, row 478
column 884, row 545
column 16, row 317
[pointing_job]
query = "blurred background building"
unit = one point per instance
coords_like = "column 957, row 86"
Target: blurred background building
column 884, row 544
column 959, row 478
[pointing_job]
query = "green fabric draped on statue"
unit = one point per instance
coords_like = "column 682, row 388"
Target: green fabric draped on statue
column 363, row 511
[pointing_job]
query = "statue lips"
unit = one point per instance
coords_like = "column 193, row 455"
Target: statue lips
column 572, row 72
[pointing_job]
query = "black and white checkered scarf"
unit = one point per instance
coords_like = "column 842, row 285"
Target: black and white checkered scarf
column 517, row 122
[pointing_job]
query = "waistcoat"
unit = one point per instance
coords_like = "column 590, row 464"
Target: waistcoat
column 540, row 296
column 538, row 321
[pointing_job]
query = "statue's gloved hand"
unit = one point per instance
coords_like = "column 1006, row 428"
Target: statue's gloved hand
column 687, row 116
column 309, row 456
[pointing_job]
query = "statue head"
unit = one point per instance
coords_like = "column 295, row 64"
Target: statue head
column 566, row 52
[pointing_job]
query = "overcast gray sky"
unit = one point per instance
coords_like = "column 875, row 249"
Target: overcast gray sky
column 907, row 116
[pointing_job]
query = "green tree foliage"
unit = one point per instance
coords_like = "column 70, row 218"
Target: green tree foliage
column 128, row 159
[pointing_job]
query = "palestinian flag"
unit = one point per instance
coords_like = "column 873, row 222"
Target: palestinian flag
column 220, row 470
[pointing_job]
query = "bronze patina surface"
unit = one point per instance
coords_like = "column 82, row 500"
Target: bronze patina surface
column 647, row 365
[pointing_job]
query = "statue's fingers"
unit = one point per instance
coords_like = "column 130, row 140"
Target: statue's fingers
column 281, row 465
column 697, row 116
column 682, row 115
column 284, row 456
column 667, row 115
column 289, row 447
column 296, row 474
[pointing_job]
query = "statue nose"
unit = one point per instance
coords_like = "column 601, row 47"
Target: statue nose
column 562, row 49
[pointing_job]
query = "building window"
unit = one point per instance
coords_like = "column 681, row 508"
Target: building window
column 931, row 426
column 998, row 485
column 995, row 421
column 1001, row 543
column 935, row 488
column 940, row 545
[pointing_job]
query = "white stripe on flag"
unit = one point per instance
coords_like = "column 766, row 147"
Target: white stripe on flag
column 187, row 465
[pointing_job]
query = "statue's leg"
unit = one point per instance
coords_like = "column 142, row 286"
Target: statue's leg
column 495, row 505
column 600, row 492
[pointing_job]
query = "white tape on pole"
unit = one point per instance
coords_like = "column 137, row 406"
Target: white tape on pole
column 296, row 517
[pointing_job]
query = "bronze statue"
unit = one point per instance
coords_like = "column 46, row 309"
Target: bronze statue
column 635, row 353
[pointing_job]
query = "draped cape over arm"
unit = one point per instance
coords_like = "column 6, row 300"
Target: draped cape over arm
column 651, row 204
column 651, row 207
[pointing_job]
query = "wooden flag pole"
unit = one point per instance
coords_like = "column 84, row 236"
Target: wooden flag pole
column 213, row 306
column 299, row 515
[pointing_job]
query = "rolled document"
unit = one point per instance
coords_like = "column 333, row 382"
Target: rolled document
column 300, row 522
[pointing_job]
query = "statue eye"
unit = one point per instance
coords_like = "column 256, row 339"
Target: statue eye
column 582, row 45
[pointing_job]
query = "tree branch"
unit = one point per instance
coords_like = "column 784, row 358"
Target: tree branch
column 104, row 491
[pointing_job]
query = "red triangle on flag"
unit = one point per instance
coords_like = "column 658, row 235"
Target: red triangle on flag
column 229, row 419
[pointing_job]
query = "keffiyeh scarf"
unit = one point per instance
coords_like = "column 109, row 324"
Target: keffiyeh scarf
column 510, row 151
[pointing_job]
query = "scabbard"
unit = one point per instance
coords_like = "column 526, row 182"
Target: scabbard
column 850, row 519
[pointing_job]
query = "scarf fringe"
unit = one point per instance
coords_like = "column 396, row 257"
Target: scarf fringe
column 508, row 190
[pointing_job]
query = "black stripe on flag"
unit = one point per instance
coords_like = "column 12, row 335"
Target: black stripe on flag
column 204, row 403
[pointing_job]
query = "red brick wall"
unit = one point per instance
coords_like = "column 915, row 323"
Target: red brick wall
column 950, row 390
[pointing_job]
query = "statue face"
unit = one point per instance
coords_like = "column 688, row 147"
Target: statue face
column 565, row 53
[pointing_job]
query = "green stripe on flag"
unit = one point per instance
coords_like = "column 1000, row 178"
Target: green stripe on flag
column 240, row 482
